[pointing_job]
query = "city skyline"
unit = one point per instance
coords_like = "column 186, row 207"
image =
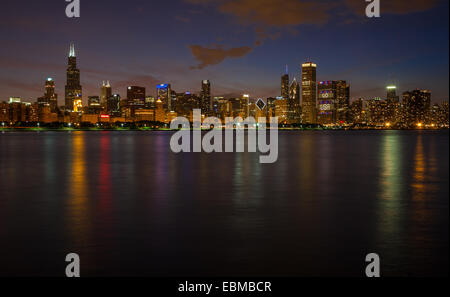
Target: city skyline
column 74, row 85
column 309, row 102
column 368, row 54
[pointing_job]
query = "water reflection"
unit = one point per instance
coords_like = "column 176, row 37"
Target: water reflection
column 78, row 222
column 391, row 186
column 104, row 189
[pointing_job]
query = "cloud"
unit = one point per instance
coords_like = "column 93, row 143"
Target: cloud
column 276, row 13
column 268, row 17
column 393, row 6
column 207, row 56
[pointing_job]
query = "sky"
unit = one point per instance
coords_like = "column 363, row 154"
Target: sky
column 241, row 46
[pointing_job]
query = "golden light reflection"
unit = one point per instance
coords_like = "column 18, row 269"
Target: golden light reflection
column 419, row 171
column 77, row 204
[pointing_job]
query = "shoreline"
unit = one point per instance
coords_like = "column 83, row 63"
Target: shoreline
column 174, row 130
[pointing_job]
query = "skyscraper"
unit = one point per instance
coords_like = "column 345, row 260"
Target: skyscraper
column 391, row 95
column 136, row 96
column 73, row 88
column 342, row 101
column 294, row 102
column 113, row 105
column 50, row 98
column 326, row 102
column 285, row 84
column 106, row 92
column 416, row 105
column 164, row 92
column 309, row 92
column 205, row 97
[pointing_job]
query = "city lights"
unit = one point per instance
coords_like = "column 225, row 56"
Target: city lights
column 323, row 105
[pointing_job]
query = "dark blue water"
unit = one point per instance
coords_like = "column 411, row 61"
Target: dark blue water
column 129, row 206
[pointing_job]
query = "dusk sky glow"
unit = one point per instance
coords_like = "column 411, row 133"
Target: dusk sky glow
column 241, row 46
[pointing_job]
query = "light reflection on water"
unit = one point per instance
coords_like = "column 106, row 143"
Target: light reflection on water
column 129, row 206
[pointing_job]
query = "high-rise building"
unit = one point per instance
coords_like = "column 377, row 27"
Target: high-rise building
column 294, row 102
column 149, row 102
column 105, row 92
column 309, row 92
column 282, row 111
column 73, row 90
column 136, row 97
column 392, row 94
column 94, row 106
column 113, row 105
column 164, row 92
column 377, row 112
column 416, row 105
column 326, row 102
column 50, row 98
column 342, row 101
column 160, row 114
column 205, row 97
column 93, row 101
column 285, row 85
column 393, row 110
column 357, row 111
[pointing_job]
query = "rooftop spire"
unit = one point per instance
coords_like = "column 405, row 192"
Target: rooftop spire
column 72, row 50
column 287, row 69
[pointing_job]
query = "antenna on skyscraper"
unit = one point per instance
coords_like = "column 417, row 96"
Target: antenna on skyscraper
column 72, row 50
column 287, row 69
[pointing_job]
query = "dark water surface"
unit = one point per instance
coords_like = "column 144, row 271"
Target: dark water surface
column 129, row 206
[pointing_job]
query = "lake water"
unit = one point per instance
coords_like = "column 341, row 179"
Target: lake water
column 129, row 206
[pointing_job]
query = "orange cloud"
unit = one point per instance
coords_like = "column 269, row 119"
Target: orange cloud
column 277, row 13
column 207, row 56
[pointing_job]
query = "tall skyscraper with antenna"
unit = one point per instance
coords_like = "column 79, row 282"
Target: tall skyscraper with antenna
column 73, row 90
column 285, row 84
column 106, row 92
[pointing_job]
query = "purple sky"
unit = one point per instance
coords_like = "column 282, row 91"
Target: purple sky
column 242, row 46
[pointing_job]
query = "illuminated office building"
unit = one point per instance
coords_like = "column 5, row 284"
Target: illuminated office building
column 205, row 97
column 294, row 102
column 416, row 105
column 160, row 113
column 342, row 103
column 136, row 97
column 106, row 92
column 149, row 102
column 285, row 85
column 282, row 111
column 73, row 90
column 392, row 94
column 113, row 105
column 164, row 93
column 308, row 90
column 326, row 102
